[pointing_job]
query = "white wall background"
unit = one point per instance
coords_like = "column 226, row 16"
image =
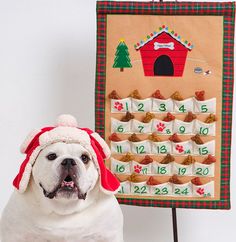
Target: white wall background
column 47, row 67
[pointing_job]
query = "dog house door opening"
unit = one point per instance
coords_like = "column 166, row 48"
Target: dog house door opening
column 163, row 66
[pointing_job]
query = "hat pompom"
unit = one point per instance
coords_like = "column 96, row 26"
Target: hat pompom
column 66, row 120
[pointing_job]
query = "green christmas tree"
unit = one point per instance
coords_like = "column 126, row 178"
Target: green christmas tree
column 122, row 59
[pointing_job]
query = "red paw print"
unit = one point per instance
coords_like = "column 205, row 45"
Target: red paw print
column 137, row 168
column 160, row 127
column 118, row 106
column 200, row 191
column 179, row 148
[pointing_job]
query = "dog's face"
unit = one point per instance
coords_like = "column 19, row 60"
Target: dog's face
column 65, row 171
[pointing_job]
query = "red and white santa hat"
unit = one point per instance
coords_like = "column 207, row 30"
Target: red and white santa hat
column 66, row 130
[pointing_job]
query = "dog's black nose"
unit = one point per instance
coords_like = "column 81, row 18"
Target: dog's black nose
column 68, row 162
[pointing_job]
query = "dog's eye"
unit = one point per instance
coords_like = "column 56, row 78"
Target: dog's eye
column 52, row 156
column 85, row 158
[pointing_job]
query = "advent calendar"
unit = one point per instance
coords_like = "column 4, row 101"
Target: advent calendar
column 164, row 89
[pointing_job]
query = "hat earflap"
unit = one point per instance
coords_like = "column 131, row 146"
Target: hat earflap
column 109, row 184
column 31, row 148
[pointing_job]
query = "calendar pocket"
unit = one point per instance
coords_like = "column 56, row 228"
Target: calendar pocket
column 162, row 169
column 162, row 127
column 162, row 106
column 141, row 168
column 181, row 127
column 118, row 126
column 120, row 166
column 140, row 127
column 206, row 190
column 120, row 147
column 161, row 148
column 204, row 149
column 200, row 169
column 206, row 106
column 183, row 106
column 139, row 188
column 182, row 190
column 182, row 170
column 124, row 187
column 182, row 148
column 141, row 147
column 164, row 189
column 121, row 105
column 204, row 128
column 143, row 105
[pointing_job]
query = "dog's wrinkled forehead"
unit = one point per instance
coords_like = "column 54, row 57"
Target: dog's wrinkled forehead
column 62, row 149
column 65, row 134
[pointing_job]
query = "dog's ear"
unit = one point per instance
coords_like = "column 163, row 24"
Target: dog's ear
column 109, row 184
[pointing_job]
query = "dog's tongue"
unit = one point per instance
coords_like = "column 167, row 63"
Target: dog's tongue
column 67, row 184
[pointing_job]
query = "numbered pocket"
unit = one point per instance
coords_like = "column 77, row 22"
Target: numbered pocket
column 139, row 188
column 207, row 106
column 204, row 149
column 118, row 126
column 162, row 106
column 162, row 127
column 120, row 167
column 181, row 127
column 124, row 188
column 141, row 147
column 206, row 190
column 200, row 169
column 182, row 148
column 120, row 147
column 144, row 105
column 140, row 168
column 161, row 148
column 183, row 106
column 204, row 128
column 140, row 127
column 182, row 190
column 182, row 170
column 121, row 105
column 164, row 189
column 162, row 169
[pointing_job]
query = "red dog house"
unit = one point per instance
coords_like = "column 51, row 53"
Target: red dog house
column 163, row 53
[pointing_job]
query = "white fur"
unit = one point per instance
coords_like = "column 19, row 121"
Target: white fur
column 31, row 217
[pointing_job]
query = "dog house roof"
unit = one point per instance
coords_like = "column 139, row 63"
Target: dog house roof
column 167, row 30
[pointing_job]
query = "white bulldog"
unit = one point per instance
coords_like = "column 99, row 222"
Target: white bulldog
column 64, row 193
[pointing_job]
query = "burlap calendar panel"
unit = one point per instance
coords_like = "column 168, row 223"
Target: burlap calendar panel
column 164, row 100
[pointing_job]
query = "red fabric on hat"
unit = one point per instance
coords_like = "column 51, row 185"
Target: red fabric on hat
column 31, row 147
column 108, row 181
column 89, row 132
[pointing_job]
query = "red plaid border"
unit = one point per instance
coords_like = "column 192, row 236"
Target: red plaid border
column 226, row 9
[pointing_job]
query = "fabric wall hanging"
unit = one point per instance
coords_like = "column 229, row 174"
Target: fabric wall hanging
column 164, row 90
